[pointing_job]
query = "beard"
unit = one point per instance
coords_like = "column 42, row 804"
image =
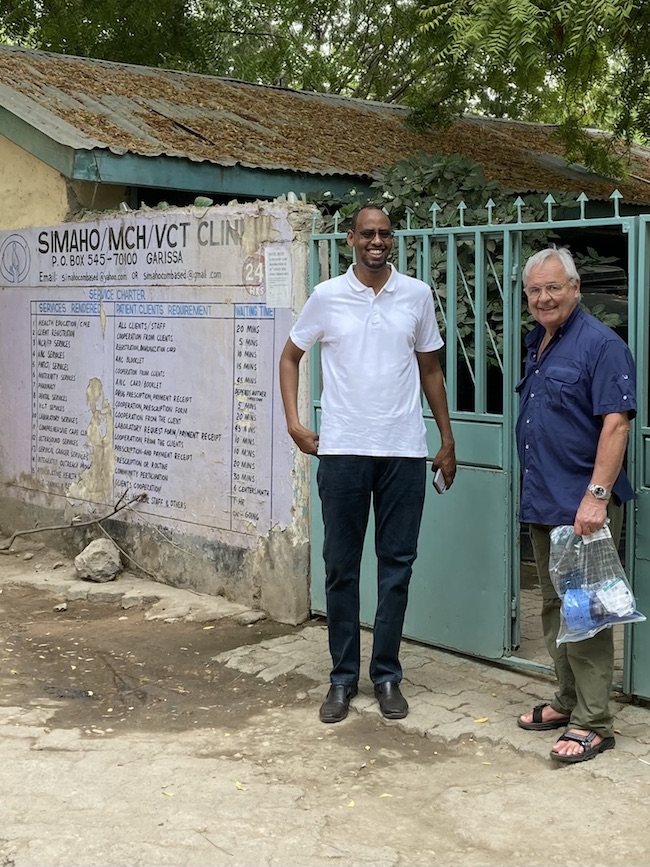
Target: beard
column 373, row 264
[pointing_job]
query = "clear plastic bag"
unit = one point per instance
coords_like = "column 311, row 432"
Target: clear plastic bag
column 589, row 578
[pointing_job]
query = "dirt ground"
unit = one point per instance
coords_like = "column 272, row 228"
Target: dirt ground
column 115, row 670
column 254, row 778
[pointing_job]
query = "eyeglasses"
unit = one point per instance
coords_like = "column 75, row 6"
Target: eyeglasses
column 369, row 234
column 551, row 288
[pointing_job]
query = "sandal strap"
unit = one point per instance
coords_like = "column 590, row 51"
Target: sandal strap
column 585, row 741
column 537, row 712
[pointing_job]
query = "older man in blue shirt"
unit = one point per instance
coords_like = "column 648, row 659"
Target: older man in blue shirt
column 576, row 401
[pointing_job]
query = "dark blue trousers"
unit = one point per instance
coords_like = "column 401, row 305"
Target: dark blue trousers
column 347, row 484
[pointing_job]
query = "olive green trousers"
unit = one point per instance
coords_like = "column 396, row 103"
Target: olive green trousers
column 584, row 669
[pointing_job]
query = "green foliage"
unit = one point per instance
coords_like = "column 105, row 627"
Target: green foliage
column 577, row 63
column 146, row 32
column 415, row 184
column 359, row 48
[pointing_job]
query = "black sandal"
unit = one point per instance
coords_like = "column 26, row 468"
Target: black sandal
column 585, row 741
column 538, row 724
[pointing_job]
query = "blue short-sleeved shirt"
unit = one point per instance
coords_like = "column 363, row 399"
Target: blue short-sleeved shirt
column 585, row 372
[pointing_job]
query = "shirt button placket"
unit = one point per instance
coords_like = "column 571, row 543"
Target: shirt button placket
column 375, row 311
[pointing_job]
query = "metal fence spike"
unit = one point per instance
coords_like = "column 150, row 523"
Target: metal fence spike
column 462, row 207
column 489, row 205
column 435, row 207
column 409, row 214
column 519, row 204
column 616, row 196
column 337, row 219
column 549, row 201
column 582, row 200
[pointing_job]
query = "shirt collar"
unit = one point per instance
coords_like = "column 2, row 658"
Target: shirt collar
column 534, row 337
column 389, row 286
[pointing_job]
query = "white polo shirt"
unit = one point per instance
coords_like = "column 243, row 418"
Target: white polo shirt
column 371, row 381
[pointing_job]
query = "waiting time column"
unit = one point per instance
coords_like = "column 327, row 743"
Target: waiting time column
column 252, row 434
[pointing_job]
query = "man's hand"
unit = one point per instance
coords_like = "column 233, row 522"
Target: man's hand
column 445, row 460
column 305, row 439
column 591, row 515
column 433, row 386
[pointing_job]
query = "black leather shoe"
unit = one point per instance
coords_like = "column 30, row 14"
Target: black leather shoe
column 337, row 703
column 392, row 703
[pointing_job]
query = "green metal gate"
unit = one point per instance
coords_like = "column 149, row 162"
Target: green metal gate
column 638, row 646
column 465, row 590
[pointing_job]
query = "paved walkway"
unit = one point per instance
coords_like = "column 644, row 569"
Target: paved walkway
column 451, row 697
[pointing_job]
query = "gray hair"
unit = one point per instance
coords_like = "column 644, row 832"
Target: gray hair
column 542, row 256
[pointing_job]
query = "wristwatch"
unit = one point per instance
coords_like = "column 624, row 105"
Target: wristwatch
column 599, row 492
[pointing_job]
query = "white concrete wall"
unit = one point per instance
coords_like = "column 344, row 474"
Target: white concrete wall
column 139, row 355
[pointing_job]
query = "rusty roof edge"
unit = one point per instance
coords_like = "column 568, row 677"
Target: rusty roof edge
column 398, row 108
column 233, row 163
column 160, row 71
column 45, row 121
column 69, row 135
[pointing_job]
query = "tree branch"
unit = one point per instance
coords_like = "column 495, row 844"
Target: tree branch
column 73, row 525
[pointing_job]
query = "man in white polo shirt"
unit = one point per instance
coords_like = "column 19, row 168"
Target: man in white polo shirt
column 379, row 340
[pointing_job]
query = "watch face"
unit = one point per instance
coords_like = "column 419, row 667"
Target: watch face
column 598, row 491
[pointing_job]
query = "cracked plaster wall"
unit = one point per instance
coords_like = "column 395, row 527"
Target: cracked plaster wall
column 271, row 574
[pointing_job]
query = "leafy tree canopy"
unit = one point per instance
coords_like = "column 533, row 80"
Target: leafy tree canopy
column 148, row 32
column 578, row 63
column 361, row 48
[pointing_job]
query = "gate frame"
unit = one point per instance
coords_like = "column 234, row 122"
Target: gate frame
column 511, row 234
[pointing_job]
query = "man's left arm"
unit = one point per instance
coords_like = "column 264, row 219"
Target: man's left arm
column 592, row 513
column 433, row 386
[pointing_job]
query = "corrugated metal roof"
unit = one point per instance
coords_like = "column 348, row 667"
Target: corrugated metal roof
column 95, row 104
